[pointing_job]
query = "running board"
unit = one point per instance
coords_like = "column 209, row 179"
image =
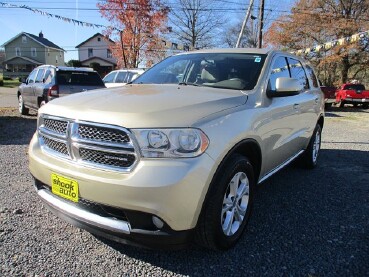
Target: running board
column 278, row 168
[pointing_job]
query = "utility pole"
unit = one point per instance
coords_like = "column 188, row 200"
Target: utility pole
column 261, row 24
column 248, row 12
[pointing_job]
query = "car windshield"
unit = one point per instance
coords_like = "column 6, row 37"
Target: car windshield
column 219, row 70
column 79, row 78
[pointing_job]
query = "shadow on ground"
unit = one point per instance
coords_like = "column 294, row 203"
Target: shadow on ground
column 16, row 130
column 303, row 223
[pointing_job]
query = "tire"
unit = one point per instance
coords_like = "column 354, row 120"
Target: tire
column 22, row 109
column 310, row 157
column 365, row 106
column 228, row 206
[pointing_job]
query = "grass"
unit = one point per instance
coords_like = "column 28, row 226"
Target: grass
column 8, row 83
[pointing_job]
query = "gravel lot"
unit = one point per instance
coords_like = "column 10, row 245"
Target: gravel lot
column 305, row 223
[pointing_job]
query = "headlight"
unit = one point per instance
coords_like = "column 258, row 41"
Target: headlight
column 171, row 143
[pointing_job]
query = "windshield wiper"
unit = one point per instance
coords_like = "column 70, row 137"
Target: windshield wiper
column 188, row 84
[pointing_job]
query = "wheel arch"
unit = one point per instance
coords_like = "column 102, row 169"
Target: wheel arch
column 321, row 121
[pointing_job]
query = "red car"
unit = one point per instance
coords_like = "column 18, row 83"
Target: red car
column 352, row 94
column 329, row 95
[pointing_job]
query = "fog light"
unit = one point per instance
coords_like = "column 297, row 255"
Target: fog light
column 157, row 222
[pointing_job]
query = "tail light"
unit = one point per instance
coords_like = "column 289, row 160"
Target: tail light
column 53, row 91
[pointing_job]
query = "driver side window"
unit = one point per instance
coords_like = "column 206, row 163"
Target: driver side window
column 279, row 69
column 31, row 77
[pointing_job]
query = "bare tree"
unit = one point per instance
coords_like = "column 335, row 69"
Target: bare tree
column 196, row 22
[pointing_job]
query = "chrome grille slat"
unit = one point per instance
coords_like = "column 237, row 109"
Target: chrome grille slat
column 102, row 134
column 56, row 146
column 106, row 159
column 56, row 126
column 102, row 146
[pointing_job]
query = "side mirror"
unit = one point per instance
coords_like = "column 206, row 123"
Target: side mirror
column 285, row 86
column 23, row 80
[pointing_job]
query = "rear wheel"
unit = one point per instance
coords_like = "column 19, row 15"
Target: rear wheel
column 228, row 207
column 22, row 109
column 365, row 106
column 310, row 157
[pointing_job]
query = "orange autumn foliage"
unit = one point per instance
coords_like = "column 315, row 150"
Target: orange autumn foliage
column 142, row 22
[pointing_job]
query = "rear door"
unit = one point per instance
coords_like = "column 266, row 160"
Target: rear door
column 38, row 88
column 27, row 89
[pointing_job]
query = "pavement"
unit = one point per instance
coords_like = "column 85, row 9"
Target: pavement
column 8, row 97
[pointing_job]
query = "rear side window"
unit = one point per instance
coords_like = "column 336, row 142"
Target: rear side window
column 78, row 78
column 48, row 76
column 298, row 72
column 312, row 76
column 279, row 69
column 40, row 75
column 121, row 78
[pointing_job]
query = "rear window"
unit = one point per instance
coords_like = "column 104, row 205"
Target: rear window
column 79, row 78
column 354, row 87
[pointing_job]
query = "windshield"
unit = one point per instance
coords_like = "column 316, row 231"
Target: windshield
column 355, row 87
column 220, row 70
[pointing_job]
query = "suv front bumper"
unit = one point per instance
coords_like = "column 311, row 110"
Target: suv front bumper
column 172, row 190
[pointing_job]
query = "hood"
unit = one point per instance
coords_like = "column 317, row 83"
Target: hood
column 145, row 106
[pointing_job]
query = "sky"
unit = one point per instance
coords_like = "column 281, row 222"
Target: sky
column 67, row 35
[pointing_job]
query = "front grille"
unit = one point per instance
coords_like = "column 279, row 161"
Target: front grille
column 102, row 134
column 56, row 126
column 105, row 158
column 97, row 145
column 56, row 146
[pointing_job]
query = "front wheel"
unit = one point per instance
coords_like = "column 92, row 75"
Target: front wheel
column 22, row 109
column 310, row 157
column 228, row 206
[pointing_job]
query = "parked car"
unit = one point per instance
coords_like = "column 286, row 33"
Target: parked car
column 47, row 82
column 177, row 154
column 329, row 95
column 352, row 94
column 121, row 77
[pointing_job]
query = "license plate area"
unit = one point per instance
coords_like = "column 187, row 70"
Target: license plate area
column 64, row 187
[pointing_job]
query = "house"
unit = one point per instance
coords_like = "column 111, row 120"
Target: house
column 26, row 51
column 95, row 52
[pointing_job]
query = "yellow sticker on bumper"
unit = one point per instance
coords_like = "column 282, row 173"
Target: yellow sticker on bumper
column 64, row 187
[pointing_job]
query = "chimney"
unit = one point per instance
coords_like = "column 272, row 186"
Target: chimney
column 41, row 35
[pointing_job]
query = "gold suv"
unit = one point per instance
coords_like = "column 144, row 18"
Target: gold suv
column 176, row 155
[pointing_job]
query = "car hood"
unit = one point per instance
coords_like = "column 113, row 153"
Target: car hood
column 144, row 106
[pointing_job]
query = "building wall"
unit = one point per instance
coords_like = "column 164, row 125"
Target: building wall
column 54, row 57
column 99, row 49
column 25, row 49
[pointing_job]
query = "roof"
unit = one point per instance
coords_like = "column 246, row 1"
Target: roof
column 98, row 58
column 43, row 41
column 23, row 58
column 95, row 35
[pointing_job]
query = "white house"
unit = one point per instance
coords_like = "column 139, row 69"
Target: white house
column 96, row 50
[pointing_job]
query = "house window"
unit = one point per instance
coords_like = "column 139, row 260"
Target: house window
column 99, row 39
column 90, row 52
column 33, row 52
column 60, row 54
column 174, row 46
column 48, row 52
column 18, row 52
column 108, row 53
column 24, row 39
column 56, row 59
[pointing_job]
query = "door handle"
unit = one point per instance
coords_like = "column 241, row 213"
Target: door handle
column 296, row 106
column 316, row 100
